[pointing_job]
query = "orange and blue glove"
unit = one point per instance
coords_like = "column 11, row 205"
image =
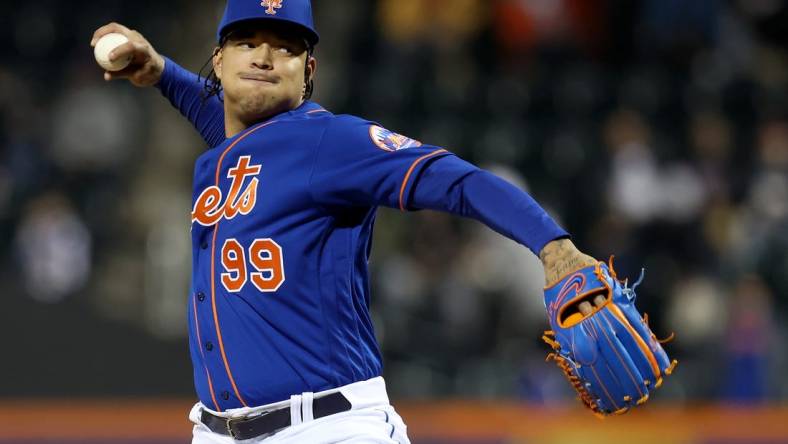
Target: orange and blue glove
column 601, row 342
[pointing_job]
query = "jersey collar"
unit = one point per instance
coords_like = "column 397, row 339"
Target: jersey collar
column 307, row 107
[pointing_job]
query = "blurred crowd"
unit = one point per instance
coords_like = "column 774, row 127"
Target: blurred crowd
column 655, row 130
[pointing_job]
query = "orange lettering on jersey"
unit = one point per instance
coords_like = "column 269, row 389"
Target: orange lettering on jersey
column 206, row 208
column 266, row 257
column 242, row 202
column 209, row 207
column 234, row 261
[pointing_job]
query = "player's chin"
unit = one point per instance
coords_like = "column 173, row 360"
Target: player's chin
column 264, row 91
column 261, row 106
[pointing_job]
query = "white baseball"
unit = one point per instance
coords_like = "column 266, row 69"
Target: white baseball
column 105, row 45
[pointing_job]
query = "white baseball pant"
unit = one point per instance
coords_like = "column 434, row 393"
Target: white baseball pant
column 371, row 419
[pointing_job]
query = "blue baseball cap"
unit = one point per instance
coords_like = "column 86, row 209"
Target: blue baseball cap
column 295, row 12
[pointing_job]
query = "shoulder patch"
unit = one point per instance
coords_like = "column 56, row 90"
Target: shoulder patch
column 391, row 141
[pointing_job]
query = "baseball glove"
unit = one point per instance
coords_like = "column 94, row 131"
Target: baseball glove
column 600, row 341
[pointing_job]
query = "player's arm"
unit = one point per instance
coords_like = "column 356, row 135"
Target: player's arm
column 450, row 184
column 185, row 91
column 360, row 163
column 599, row 339
column 183, row 88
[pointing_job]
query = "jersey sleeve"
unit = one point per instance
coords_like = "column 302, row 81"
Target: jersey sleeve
column 184, row 90
column 359, row 163
column 458, row 187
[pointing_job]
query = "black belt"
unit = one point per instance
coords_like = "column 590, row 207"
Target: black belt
column 271, row 422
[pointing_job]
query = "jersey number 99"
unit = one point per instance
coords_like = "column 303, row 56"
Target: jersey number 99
column 265, row 258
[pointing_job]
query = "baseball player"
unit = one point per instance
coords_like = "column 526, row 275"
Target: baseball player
column 283, row 208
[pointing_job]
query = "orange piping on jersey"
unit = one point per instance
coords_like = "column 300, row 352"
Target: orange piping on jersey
column 216, row 318
column 232, row 145
column 213, row 266
column 410, row 171
column 207, row 373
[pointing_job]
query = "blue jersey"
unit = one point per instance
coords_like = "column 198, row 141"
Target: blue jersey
column 281, row 228
column 282, row 218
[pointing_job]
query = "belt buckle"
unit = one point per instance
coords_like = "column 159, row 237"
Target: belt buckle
column 232, row 421
column 229, row 425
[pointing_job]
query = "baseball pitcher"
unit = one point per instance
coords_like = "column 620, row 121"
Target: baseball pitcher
column 283, row 208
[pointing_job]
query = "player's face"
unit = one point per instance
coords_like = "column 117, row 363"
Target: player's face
column 262, row 73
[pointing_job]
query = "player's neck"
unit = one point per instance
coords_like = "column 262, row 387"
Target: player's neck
column 235, row 124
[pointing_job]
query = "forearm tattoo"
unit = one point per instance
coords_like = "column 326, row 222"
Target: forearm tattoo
column 561, row 257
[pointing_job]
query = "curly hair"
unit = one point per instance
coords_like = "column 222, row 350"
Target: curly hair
column 212, row 85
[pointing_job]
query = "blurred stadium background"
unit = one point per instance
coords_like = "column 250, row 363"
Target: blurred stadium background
column 656, row 130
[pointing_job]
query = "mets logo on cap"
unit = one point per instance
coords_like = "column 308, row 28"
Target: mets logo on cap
column 297, row 13
column 272, row 6
column 389, row 140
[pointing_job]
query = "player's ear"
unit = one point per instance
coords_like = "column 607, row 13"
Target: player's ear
column 217, row 62
column 311, row 68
